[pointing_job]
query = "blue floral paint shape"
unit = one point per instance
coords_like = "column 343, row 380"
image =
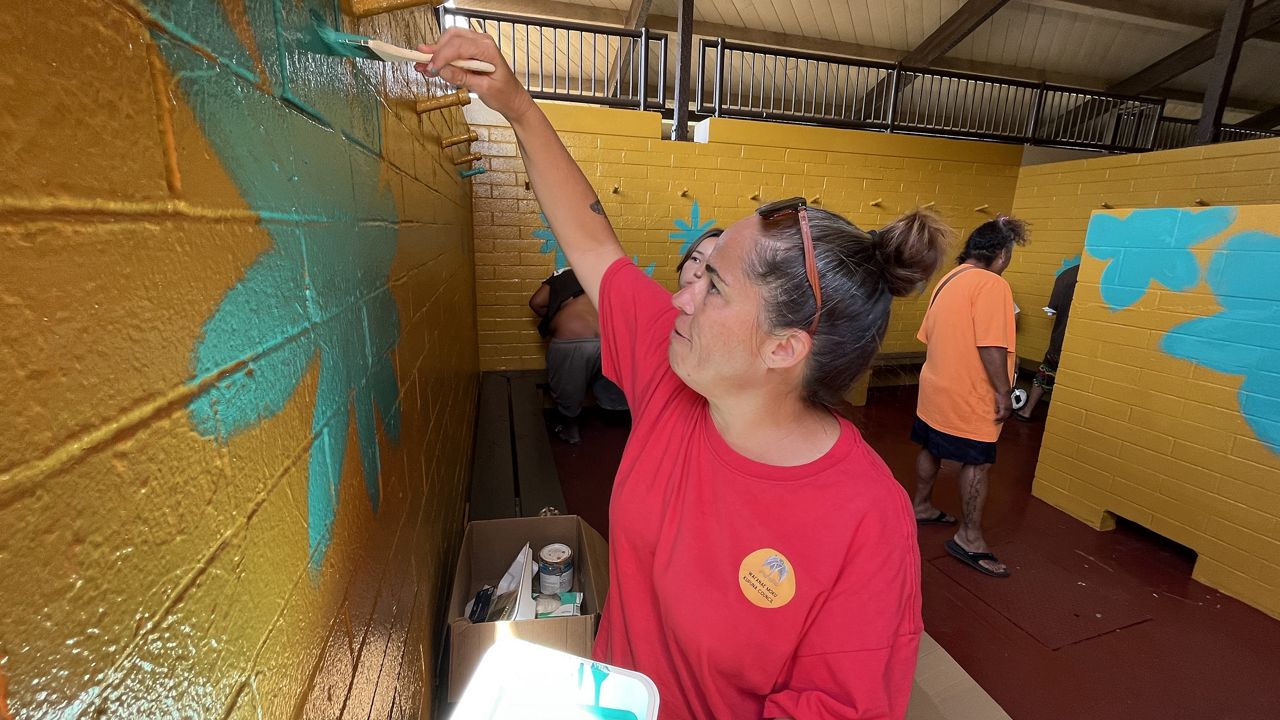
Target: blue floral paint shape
column 319, row 293
column 690, row 230
column 1151, row 246
column 1067, row 264
column 1244, row 338
column 549, row 242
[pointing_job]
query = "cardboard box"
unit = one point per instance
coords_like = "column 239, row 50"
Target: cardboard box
column 488, row 547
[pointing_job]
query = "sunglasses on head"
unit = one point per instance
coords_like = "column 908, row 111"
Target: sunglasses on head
column 798, row 206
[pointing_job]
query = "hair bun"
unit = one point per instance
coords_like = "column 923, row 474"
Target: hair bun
column 910, row 249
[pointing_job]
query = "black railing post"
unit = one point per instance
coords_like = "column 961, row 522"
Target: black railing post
column 719, row 75
column 684, row 35
column 1150, row 142
column 893, row 95
column 662, row 73
column 644, row 67
column 1033, row 122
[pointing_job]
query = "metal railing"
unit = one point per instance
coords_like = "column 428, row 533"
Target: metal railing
column 608, row 65
column 1178, row 133
column 752, row 81
column 580, row 62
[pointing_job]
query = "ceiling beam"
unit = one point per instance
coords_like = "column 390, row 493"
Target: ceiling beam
column 1231, row 37
column 1193, row 54
column 1265, row 120
column 962, row 22
column 1158, row 14
column 1249, row 104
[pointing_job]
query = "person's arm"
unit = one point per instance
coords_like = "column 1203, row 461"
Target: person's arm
column 541, row 300
column 995, row 360
column 573, row 211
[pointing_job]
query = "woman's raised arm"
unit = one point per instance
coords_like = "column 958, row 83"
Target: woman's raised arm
column 568, row 200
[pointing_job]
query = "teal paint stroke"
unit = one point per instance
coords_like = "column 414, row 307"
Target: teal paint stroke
column 1244, row 338
column 1067, row 264
column 551, row 244
column 1151, row 246
column 688, row 231
column 319, row 293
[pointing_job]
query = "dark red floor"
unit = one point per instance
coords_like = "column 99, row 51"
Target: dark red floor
column 1201, row 655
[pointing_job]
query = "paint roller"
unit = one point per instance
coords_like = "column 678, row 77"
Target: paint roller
column 329, row 41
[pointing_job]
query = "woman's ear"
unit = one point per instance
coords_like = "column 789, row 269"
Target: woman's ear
column 787, row 349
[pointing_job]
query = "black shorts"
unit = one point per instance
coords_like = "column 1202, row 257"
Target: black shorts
column 952, row 447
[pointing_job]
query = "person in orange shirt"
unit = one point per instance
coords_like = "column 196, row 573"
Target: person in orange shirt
column 965, row 383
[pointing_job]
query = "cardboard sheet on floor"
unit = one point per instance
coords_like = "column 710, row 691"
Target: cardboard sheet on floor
column 1056, row 605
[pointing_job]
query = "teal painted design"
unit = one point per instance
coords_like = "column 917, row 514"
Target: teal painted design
column 319, row 294
column 549, row 242
column 690, row 230
column 648, row 270
column 1151, row 246
column 1067, row 264
column 1243, row 339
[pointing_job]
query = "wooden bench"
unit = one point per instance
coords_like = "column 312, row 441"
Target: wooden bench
column 513, row 473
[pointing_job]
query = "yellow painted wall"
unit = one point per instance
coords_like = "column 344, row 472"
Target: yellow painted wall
column 847, row 170
column 1139, row 429
column 1057, row 199
column 192, row 268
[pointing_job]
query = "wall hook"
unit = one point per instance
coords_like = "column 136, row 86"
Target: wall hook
column 1106, row 206
column 754, row 196
column 684, row 192
column 526, row 185
column 1202, row 202
column 461, row 97
column 458, row 139
column 876, row 202
column 927, row 205
column 981, row 208
column 471, row 172
column 815, row 200
column 468, row 158
column 616, row 189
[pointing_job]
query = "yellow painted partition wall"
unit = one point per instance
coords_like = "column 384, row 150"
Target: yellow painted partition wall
column 237, row 347
column 661, row 193
column 1057, row 198
column 1167, row 406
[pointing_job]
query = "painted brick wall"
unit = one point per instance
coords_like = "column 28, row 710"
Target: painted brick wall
column 658, row 181
column 1167, row 408
column 237, row 344
column 1057, row 198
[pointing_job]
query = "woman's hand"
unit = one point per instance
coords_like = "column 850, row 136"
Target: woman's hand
column 499, row 90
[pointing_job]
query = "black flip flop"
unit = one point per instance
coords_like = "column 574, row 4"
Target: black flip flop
column 972, row 559
column 940, row 519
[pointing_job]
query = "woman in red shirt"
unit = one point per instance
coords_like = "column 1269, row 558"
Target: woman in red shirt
column 762, row 558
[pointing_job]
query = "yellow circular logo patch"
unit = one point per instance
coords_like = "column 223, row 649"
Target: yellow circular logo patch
column 767, row 578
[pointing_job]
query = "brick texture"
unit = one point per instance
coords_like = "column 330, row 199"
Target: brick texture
column 645, row 183
column 1160, row 440
column 154, row 570
column 1057, row 199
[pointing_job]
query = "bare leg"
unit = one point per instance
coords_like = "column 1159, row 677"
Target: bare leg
column 973, row 496
column 927, row 466
column 1033, row 397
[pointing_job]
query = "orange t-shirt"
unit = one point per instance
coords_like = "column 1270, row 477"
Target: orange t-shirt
column 974, row 310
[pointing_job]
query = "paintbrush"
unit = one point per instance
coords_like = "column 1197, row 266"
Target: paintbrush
column 333, row 42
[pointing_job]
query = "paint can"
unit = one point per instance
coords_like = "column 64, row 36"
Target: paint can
column 555, row 569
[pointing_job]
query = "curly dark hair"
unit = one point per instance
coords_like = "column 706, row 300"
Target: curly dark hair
column 992, row 238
